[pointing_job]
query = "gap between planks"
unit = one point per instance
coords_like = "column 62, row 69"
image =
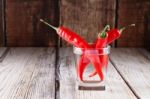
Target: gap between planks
column 3, row 53
column 31, row 76
column 144, row 52
column 134, row 68
column 127, row 83
column 57, row 83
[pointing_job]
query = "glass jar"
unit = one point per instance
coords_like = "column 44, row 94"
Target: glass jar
column 87, row 60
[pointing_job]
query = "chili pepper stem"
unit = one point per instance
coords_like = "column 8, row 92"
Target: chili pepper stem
column 55, row 28
column 122, row 29
column 103, row 33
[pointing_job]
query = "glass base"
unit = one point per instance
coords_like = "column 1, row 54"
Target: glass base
column 91, row 85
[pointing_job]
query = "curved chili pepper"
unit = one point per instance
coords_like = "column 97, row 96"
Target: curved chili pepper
column 76, row 40
column 83, row 63
column 93, row 73
column 94, row 58
column 101, row 43
column 69, row 36
column 104, row 61
column 113, row 34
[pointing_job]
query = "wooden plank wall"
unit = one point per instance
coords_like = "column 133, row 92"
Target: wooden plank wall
column 147, row 26
column 132, row 11
column 1, row 25
column 23, row 27
column 86, row 17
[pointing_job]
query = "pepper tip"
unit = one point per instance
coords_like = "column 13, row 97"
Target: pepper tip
column 132, row 24
column 41, row 20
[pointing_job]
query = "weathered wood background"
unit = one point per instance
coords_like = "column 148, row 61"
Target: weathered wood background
column 1, row 24
column 87, row 17
column 133, row 11
column 22, row 22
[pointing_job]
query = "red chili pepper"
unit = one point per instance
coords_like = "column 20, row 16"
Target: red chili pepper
column 104, row 61
column 83, row 63
column 113, row 34
column 76, row 40
column 69, row 36
column 94, row 58
column 101, row 43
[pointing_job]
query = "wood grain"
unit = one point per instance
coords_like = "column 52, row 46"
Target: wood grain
column 24, row 74
column 87, row 17
column 132, row 11
column 144, row 52
column 135, row 69
column 1, row 24
column 115, row 86
column 23, row 26
column 2, row 50
column 147, row 25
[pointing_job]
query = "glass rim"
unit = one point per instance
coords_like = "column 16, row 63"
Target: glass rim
column 107, row 47
column 98, row 51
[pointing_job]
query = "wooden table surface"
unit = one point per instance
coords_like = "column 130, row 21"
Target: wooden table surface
column 44, row 73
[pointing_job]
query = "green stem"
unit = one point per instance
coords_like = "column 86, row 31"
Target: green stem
column 123, row 28
column 102, row 34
